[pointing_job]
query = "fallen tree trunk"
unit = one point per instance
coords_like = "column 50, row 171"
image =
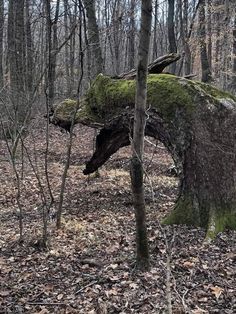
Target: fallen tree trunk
column 196, row 123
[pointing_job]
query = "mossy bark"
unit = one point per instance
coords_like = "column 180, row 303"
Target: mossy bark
column 195, row 121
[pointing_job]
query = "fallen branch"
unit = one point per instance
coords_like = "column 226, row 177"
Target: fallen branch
column 88, row 285
column 156, row 67
column 45, row 303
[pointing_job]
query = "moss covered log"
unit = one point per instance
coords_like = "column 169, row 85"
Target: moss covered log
column 109, row 97
column 197, row 124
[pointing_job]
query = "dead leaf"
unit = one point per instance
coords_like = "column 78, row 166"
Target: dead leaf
column 188, row 264
column 111, row 292
column 4, row 293
column 133, row 285
column 43, row 311
column 113, row 266
column 199, row 311
column 217, row 291
column 60, row 296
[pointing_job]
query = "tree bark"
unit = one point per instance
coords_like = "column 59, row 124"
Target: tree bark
column 136, row 167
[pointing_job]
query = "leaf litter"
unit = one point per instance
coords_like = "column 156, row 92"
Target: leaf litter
column 89, row 266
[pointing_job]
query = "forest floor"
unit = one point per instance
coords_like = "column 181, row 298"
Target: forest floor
column 89, row 265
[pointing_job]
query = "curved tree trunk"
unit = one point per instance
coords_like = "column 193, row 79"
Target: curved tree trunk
column 196, row 123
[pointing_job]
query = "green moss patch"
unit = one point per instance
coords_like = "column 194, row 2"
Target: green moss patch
column 108, row 97
column 183, row 213
column 215, row 92
column 65, row 110
column 221, row 219
column 167, row 94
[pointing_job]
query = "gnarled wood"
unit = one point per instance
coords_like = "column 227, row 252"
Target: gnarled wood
column 197, row 124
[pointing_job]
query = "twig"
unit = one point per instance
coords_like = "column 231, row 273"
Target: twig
column 88, row 285
column 155, row 145
column 168, row 287
column 45, row 303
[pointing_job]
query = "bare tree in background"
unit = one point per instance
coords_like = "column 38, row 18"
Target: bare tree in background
column 93, row 37
column 154, row 49
column 132, row 35
column 138, row 136
column 233, row 83
column 187, row 51
column 52, row 46
column 16, row 56
column 29, row 50
column 206, row 71
column 209, row 32
column 171, row 31
column 1, row 42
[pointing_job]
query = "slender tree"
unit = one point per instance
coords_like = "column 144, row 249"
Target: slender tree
column 138, row 136
column 187, row 51
column 154, row 49
column 132, row 35
column 29, row 49
column 209, row 31
column 16, row 57
column 93, row 37
column 171, row 31
column 233, row 87
column 52, row 46
column 1, row 42
column 206, row 71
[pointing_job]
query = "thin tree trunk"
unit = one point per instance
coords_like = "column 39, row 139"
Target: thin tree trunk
column 67, row 57
column 217, row 22
column 29, row 50
column 93, row 36
column 209, row 31
column 16, row 55
column 52, row 45
column 138, row 137
column 187, row 51
column 154, row 49
column 1, row 42
column 206, row 71
column 73, row 45
column 233, row 84
column 132, row 36
column 171, row 31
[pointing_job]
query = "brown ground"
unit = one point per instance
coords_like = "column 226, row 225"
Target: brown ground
column 89, row 265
